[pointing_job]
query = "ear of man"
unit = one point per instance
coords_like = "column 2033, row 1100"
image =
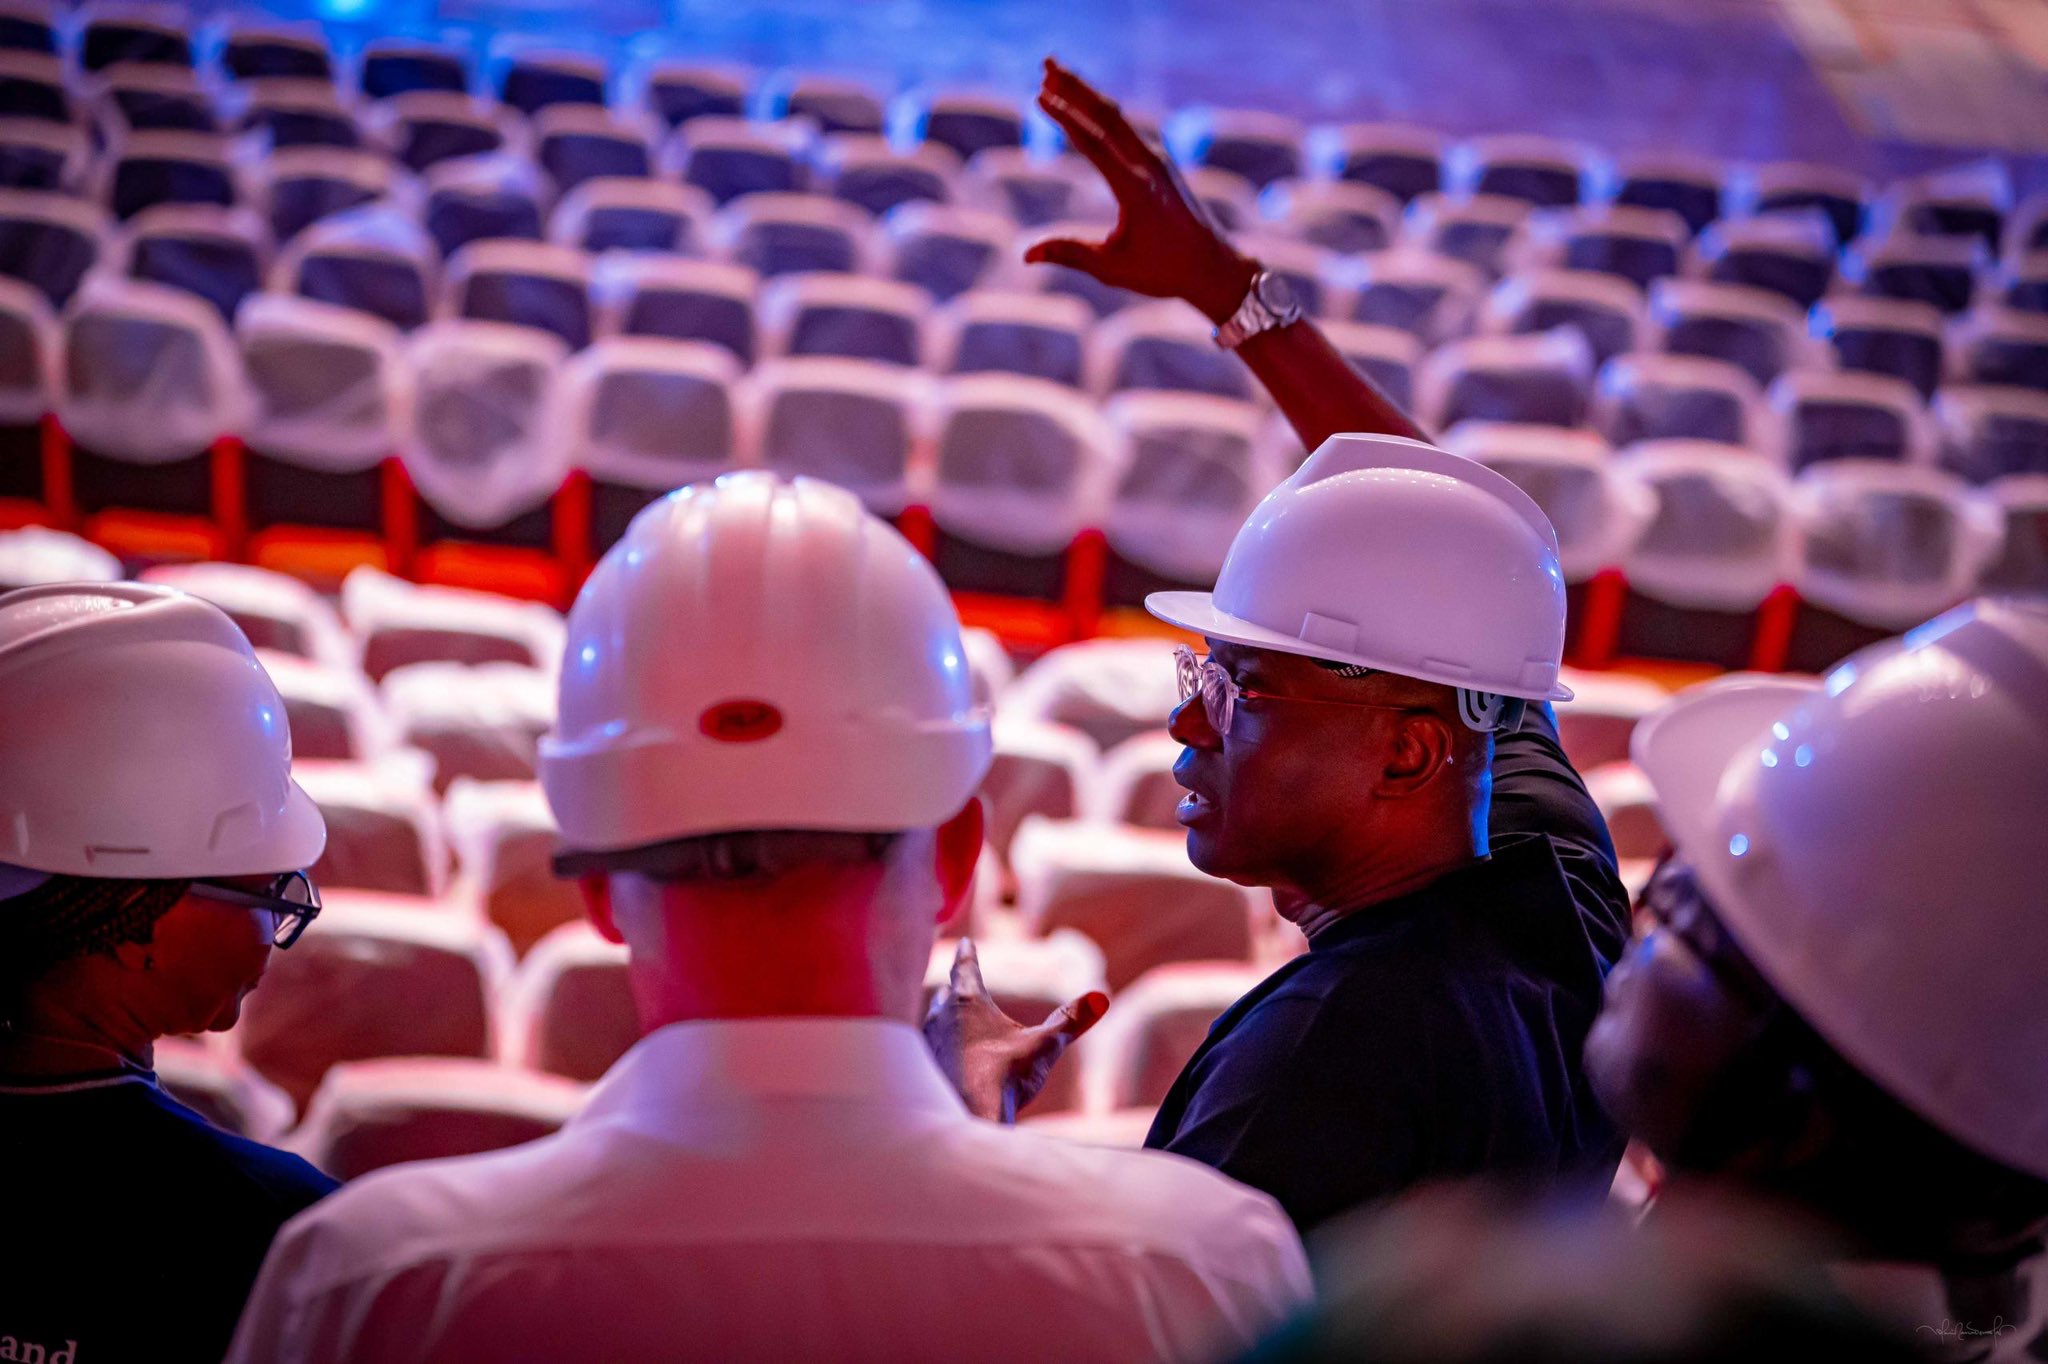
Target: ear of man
column 1423, row 747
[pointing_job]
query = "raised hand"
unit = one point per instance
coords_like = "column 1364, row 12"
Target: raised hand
column 996, row 1063
column 1163, row 244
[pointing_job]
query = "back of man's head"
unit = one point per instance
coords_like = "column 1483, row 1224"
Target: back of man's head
column 767, row 750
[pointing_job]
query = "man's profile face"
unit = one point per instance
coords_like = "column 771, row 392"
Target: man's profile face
column 1289, row 785
column 208, row 957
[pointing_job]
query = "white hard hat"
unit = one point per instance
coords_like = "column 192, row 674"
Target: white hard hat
column 1394, row 555
column 761, row 654
column 1874, row 846
column 141, row 739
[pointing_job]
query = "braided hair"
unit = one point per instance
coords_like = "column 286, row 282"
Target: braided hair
column 74, row 916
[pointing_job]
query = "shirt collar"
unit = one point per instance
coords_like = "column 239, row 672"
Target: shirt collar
column 713, row 1062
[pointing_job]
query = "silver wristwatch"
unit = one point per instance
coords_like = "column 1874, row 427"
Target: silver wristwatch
column 1269, row 303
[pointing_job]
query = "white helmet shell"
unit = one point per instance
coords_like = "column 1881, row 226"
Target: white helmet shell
column 140, row 738
column 1874, row 845
column 761, row 654
column 1391, row 554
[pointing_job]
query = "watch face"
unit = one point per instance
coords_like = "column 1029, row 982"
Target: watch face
column 1276, row 295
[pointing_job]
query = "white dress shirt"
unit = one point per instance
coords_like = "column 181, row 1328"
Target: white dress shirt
column 778, row 1190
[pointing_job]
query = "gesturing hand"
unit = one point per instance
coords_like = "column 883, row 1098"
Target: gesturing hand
column 1163, row 244
column 996, row 1063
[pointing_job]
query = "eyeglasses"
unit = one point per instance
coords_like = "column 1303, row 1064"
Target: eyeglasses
column 291, row 900
column 1220, row 692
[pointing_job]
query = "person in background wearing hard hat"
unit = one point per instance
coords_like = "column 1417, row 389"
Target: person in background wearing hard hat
column 1369, row 737
column 151, row 846
column 1843, row 999
column 765, row 765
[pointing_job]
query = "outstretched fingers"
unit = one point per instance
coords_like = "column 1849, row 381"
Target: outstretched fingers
column 1095, row 127
column 1075, row 255
column 965, row 980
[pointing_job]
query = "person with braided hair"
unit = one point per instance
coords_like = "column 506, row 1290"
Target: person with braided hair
column 151, row 851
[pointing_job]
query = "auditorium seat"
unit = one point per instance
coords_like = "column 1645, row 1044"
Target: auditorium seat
column 401, row 623
column 154, row 168
column 1640, row 245
column 643, row 415
column 1102, row 299
column 834, row 103
column 1938, row 270
column 1884, row 336
column 1754, row 328
column 1339, row 215
column 1432, row 296
column 1882, row 547
column 966, row 121
column 1385, row 355
column 256, row 50
column 34, row 470
column 399, row 66
column 32, row 86
column 112, row 33
column 1543, row 378
column 28, row 28
column 1792, row 186
column 474, row 198
column 1475, row 229
column 728, row 157
column 1132, row 892
column 333, row 711
column 855, row 316
column 568, row 1011
column 1568, row 474
column 1156, row 1025
column 1829, row 415
column 855, row 423
column 1958, row 201
column 575, row 143
column 996, row 331
column 2002, row 346
column 482, row 721
column 1790, row 254
column 2024, row 283
column 1253, row 143
column 35, row 155
column 1309, row 270
column 384, row 830
column 134, row 97
column 373, row 259
column 1653, row 396
column 1689, row 186
column 218, row 254
column 1992, row 432
column 1033, row 190
column 1189, row 469
column 1404, row 161
column 1134, row 783
column 616, row 213
column 1607, row 311
column 302, row 185
column 504, row 837
column 1543, row 171
column 1039, row 768
column 1162, row 344
column 1109, row 689
column 532, row 79
column 1718, row 544
column 367, row 1115
column 866, row 170
column 528, row 284
column 370, row 981
column 945, row 249
column 423, row 128
column 776, row 234
column 2021, row 563
column 49, row 240
column 682, row 300
column 679, row 90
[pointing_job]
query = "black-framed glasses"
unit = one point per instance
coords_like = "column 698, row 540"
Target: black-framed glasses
column 291, row 899
column 1221, row 693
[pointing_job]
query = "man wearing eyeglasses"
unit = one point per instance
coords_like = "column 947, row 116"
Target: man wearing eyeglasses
column 151, row 840
column 1368, row 736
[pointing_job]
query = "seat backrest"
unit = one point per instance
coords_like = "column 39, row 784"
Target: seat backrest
column 1848, row 415
column 847, row 315
column 865, row 169
column 1338, row 215
column 1021, row 464
column 2021, row 563
column 855, row 423
column 149, row 374
column 35, row 154
column 528, row 284
column 1544, row 171
column 33, row 555
column 398, row 66
column 1190, row 467
column 1162, row 345
column 373, row 260
column 835, row 104
column 653, row 413
column 1404, row 161
column 29, row 345
column 683, row 300
column 578, row 142
column 1109, row 689
column 1039, row 768
column 383, row 823
column 1543, row 378
column 164, row 167
column 328, row 386
column 569, row 1010
column 728, row 157
column 1032, row 191
column 607, row 213
column 533, row 80
column 1690, row 186
column 1418, row 291
column 1992, row 432
column 401, row 622
column 368, row 1115
column 302, row 185
column 1996, row 345
column 1761, row 331
column 1040, row 335
column 333, row 711
column 1652, row 396
column 49, row 240
column 1640, row 245
column 1721, row 537
column 1884, row 336
column 1791, row 254
column 1788, row 186
column 32, row 86
column 964, row 121
column 1259, row 146
column 482, row 722
column 944, row 249
column 255, row 51
column 504, row 838
column 216, row 1084
column 1565, row 472
column 1385, row 355
column 1134, row 784
column 677, row 91
column 1605, row 309
column 1889, row 545
column 220, row 255
column 1475, row 229
column 484, row 446
column 471, row 198
column 778, row 234
column 275, row 610
column 1594, row 727
column 420, row 129
column 1132, row 892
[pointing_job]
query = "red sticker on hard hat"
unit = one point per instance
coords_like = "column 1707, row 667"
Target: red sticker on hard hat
column 740, row 722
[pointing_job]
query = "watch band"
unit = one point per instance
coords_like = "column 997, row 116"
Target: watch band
column 1268, row 304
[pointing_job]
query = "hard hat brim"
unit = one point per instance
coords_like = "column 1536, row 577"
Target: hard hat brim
column 1197, row 611
column 1685, row 749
